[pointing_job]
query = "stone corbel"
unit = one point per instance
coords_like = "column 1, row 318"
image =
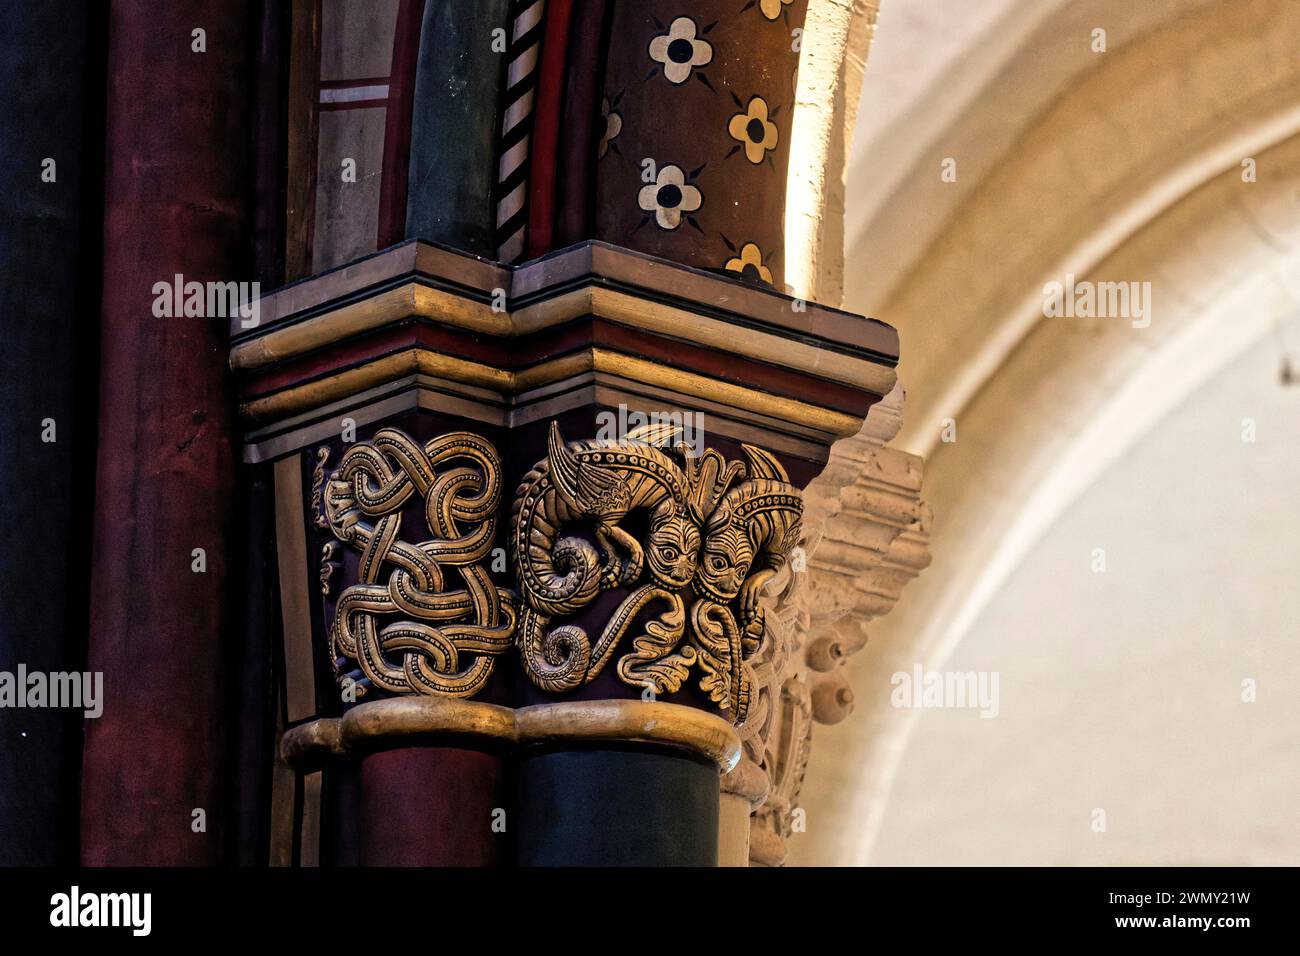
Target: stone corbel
column 866, row 535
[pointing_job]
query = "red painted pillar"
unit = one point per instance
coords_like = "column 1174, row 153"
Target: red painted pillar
column 175, row 202
column 431, row 806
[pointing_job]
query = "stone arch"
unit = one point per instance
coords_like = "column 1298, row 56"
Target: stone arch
column 1132, row 170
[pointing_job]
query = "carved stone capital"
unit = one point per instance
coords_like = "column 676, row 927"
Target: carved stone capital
column 459, row 526
column 657, row 549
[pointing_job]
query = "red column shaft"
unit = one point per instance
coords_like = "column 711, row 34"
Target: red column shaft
column 432, row 806
column 175, row 202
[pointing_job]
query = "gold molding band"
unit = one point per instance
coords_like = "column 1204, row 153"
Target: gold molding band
column 596, row 721
column 639, row 721
column 354, row 318
column 301, row 398
column 404, row 717
column 725, row 393
column 415, row 300
column 395, row 719
column 636, row 312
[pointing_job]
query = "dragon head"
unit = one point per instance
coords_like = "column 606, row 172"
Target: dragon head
column 673, row 544
column 727, row 557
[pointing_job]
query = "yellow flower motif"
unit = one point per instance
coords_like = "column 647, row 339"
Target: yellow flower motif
column 749, row 264
column 772, row 8
column 753, row 130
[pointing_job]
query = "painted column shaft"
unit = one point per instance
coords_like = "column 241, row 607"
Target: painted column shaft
column 432, row 806
column 617, row 806
column 175, row 202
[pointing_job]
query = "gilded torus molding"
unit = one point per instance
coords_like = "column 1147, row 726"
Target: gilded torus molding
column 399, row 720
column 424, row 616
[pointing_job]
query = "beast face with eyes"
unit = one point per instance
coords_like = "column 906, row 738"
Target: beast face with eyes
column 725, row 563
column 673, row 545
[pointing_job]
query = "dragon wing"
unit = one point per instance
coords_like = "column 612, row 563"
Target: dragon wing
column 656, row 433
column 584, row 487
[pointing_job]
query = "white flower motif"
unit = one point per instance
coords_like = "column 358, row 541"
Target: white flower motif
column 613, row 126
column 670, row 197
column 680, row 50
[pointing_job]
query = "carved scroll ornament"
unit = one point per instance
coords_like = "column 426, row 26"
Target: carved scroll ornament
column 714, row 533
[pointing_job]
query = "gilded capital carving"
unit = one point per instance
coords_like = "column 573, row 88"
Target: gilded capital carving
column 421, row 616
column 688, row 539
column 716, row 532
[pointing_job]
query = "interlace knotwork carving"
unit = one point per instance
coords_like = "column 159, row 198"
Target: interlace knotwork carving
column 407, row 623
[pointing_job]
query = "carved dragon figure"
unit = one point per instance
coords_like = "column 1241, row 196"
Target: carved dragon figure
column 749, row 533
column 597, row 482
column 703, row 538
column 746, row 518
